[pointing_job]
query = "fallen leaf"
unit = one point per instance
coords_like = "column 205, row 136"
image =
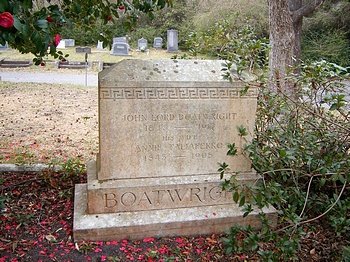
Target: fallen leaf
column 50, row 238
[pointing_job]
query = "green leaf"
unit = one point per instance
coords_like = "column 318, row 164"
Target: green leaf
column 259, row 199
column 225, row 240
column 334, row 107
column 341, row 179
column 26, row 30
column 322, row 182
column 232, row 149
column 3, row 6
column 17, row 24
column 236, row 197
column 242, row 131
column 43, row 24
column 242, row 202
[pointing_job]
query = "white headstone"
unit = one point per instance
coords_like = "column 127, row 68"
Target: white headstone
column 100, row 45
column 61, row 45
column 4, row 47
column 172, row 41
column 69, row 42
column 158, row 42
column 142, row 45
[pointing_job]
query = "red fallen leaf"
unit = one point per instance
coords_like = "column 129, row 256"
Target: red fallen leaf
column 147, row 240
column 114, row 242
column 178, row 240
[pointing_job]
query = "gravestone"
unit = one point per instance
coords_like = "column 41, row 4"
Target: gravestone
column 172, row 41
column 61, row 44
column 142, row 45
column 100, row 45
column 157, row 42
column 119, row 39
column 4, row 47
column 163, row 127
column 69, row 42
column 119, row 48
column 84, row 49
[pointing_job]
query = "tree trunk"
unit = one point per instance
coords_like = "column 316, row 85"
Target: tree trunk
column 282, row 41
column 286, row 19
column 295, row 5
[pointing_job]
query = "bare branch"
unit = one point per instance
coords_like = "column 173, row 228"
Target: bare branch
column 306, row 9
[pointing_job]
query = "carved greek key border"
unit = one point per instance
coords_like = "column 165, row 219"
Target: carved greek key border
column 174, row 93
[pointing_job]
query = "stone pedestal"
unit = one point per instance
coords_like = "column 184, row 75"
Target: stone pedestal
column 164, row 126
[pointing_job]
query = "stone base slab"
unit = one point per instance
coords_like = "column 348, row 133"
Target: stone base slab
column 138, row 194
column 158, row 223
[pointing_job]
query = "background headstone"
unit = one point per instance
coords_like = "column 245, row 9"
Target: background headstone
column 61, row 44
column 172, row 41
column 69, row 42
column 100, row 45
column 84, row 49
column 119, row 39
column 164, row 125
column 142, row 45
column 158, row 42
column 120, row 48
column 4, row 47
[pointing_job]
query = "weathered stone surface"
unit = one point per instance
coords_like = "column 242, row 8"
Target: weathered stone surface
column 190, row 221
column 164, row 126
column 125, row 195
column 173, row 118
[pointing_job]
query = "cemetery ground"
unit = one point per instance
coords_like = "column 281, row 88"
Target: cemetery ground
column 58, row 125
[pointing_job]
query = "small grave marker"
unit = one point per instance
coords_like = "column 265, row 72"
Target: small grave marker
column 4, row 47
column 142, row 45
column 61, row 44
column 84, row 49
column 158, row 42
column 69, row 42
column 172, row 41
column 120, row 48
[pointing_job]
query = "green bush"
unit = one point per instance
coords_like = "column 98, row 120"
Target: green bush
column 331, row 45
column 301, row 150
column 231, row 42
column 239, row 12
column 89, row 37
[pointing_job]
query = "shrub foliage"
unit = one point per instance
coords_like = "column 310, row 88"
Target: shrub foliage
column 301, row 146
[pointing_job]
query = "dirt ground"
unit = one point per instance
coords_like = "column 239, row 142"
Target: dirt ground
column 47, row 123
